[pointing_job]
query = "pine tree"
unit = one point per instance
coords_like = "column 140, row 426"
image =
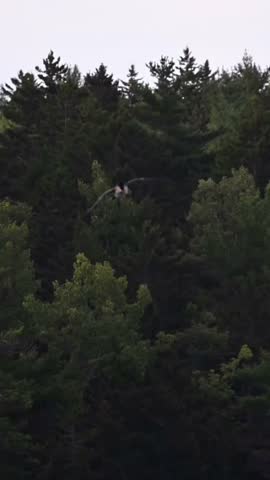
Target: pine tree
column 193, row 85
column 104, row 88
column 53, row 74
column 163, row 72
column 133, row 88
column 19, row 155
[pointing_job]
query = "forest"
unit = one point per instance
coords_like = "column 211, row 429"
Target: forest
column 135, row 337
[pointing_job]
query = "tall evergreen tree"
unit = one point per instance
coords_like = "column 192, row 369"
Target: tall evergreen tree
column 53, row 74
column 102, row 85
column 133, row 88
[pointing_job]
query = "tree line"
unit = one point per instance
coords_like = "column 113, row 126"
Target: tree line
column 134, row 340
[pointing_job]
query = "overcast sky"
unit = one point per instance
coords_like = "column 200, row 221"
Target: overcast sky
column 121, row 32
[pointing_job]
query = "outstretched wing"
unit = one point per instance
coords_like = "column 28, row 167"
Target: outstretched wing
column 133, row 180
column 146, row 179
column 140, row 179
column 104, row 194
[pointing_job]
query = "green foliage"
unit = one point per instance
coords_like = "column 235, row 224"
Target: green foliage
column 148, row 356
column 231, row 234
column 5, row 124
column 227, row 215
column 91, row 329
column 240, row 113
column 16, row 267
column 98, row 186
column 16, row 282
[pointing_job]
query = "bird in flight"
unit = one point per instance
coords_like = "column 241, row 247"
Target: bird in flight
column 121, row 190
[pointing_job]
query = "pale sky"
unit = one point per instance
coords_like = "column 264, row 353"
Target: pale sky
column 121, row 32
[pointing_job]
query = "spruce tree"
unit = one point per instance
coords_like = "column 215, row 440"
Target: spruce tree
column 104, row 88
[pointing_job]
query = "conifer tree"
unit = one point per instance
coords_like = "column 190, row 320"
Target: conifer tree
column 102, row 85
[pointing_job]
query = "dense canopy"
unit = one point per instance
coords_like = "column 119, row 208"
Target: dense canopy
column 134, row 339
